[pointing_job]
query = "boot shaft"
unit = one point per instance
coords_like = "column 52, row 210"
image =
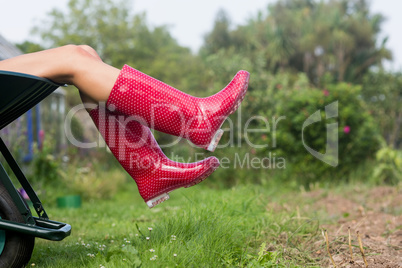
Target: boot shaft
column 137, row 151
column 166, row 109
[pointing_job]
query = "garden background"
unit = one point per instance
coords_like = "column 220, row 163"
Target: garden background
column 271, row 202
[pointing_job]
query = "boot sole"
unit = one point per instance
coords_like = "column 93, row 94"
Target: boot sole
column 165, row 196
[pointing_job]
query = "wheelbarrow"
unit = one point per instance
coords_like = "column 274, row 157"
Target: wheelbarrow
column 18, row 227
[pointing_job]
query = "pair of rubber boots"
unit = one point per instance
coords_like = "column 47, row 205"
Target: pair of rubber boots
column 138, row 102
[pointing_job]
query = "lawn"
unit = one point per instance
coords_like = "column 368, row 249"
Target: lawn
column 245, row 226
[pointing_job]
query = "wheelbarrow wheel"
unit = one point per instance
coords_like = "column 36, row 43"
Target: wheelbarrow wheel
column 15, row 248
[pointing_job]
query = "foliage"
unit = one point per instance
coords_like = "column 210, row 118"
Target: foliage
column 295, row 44
column 388, row 168
column 53, row 175
column 355, row 135
column 292, row 44
column 77, row 130
column 29, row 47
column 120, row 37
column 46, row 168
column 382, row 92
column 91, row 181
column 337, row 37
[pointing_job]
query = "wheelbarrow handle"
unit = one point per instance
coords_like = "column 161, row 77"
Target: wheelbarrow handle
column 46, row 229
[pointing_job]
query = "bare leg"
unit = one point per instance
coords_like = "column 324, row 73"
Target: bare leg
column 84, row 97
column 76, row 65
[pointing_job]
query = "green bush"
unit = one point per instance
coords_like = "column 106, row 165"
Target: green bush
column 98, row 176
column 358, row 136
column 46, row 168
column 388, row 168
column 382, row 92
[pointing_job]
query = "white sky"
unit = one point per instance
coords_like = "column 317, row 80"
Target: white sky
column 188, row 20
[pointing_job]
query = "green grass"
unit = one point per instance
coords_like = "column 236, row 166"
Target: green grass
column 197, row 227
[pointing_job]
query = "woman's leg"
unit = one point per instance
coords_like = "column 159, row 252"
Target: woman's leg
column 84, row 97
column 71, row 64
column 131, row 92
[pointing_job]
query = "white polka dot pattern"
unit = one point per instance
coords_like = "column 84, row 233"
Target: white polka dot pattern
column 139, row 154
column 169, row 110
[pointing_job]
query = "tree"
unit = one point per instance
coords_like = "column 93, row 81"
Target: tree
column 219, row 37
column 121, row 37
column 334, row 38
column 382, row 92
column 29, row 47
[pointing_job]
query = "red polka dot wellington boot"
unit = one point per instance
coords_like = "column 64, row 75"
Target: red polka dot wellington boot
column 138, row 152
column 164, row 108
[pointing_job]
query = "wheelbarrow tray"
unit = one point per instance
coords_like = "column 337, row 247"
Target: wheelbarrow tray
column 18, row 93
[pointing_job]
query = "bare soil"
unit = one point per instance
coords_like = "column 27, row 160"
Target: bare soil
column 375, row 213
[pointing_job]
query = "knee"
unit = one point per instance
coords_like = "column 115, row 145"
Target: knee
column 80, row 52
column 89, row 50
column 73, row 59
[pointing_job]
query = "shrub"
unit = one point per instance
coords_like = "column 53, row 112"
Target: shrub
column 46, row 168
column 358, row 136
column 383, row 94
column 389, row 166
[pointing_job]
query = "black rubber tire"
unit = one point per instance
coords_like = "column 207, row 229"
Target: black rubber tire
column 18, row 247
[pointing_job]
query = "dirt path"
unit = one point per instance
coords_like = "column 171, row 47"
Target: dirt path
column 376, row 214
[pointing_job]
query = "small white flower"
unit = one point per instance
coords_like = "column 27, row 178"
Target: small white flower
column 152, row 250
column 136, row 234
column 147, row 238
column 33, row 264
column 150, row 228
column 175, row 255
